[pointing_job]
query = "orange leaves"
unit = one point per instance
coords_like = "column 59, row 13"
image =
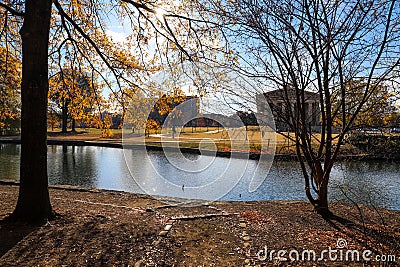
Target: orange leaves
column 379, row 103
column 152, row 126
column 105, row 124
column 10, row 80
column 257, row 217
column 73, row 89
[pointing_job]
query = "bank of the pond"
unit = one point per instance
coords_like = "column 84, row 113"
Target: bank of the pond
column 117, row 143
column 110, row 228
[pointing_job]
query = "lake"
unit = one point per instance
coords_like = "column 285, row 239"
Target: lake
column 205, row 177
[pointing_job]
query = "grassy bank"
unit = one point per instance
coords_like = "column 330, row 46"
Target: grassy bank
column 208, row 138
column 213, row 139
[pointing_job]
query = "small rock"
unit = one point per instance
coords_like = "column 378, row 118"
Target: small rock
column 168, row 227
column 163, row 233
column 243, row 225
column 247, row 261
column 246, row 238
column 247, row 244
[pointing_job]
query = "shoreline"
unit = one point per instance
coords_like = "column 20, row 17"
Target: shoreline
column 226, row 154
column 168, row 199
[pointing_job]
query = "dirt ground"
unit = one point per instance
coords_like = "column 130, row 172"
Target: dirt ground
column 108, row 228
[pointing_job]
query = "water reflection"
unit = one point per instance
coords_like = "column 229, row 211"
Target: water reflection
column 284, row 181
column 73, row 165
column 370, row 183
column 154, row 173
column 376, row 183
column 9, row 161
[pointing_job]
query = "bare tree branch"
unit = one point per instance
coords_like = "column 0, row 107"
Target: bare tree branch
column 12, row 10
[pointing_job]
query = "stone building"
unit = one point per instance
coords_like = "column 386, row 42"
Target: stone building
column 278, row 103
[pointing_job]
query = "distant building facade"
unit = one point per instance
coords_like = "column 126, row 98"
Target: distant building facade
column 279, row 106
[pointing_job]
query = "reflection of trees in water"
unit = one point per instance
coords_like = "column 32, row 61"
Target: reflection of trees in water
column 364, row 183
column 73, row 165
column 139, row 166
column 369, row 182
column 9, row 162
column 9, row 150
column 369, row 166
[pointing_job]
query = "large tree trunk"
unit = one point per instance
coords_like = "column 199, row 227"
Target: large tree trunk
column 33, row 200
column 73, row 124
column 322, row 202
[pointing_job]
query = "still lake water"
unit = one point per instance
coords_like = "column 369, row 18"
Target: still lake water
column 369, row 182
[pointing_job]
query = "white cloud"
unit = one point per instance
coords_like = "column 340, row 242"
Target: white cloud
column 118, row 37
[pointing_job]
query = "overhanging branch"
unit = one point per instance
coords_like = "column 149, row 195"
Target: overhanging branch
column 87, row 37
column 12, row 10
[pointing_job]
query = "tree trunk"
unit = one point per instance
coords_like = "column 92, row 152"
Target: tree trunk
column 321, row 204
column 73, row 125
column 33, row 200
column 64, row 116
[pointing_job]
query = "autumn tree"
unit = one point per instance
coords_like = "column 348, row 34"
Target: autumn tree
column 33, row 200
column 165, row 110
column 319, row 47
column 10, row 74
column 170, row 110
column 377, row 110
column 74, row 95
column 136, row 115
column 10, row 102
column 56, row 31
column 248, row 119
